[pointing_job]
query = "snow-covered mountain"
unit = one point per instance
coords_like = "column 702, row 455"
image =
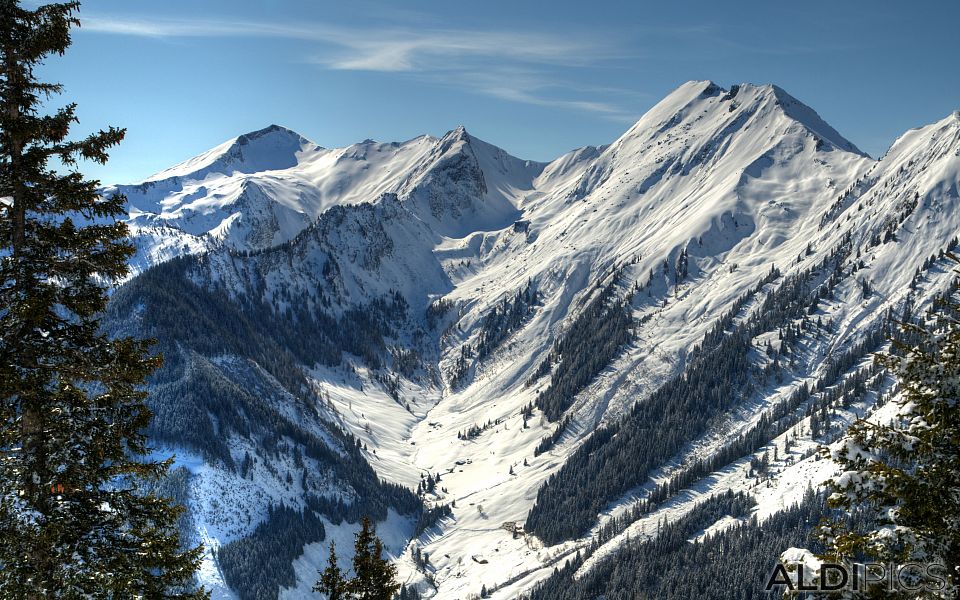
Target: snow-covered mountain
column 262, row 188
column 525, row 335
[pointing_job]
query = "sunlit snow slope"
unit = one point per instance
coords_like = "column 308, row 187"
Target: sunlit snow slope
column 452, row 306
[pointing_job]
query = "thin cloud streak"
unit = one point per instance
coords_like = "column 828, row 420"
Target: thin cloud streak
column 508, row 65
column 528, row 87
column 383, row 49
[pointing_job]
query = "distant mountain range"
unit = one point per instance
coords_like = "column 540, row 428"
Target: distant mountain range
column 507, row 362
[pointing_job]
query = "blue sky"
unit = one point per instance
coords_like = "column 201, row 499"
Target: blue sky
column 536, row 78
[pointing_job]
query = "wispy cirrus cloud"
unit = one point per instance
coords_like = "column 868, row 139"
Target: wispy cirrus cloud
column 517, row 66
column 172, row 28
column 376, row 49
column 528, row 86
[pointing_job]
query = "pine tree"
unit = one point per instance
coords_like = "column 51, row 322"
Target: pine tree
column 363, row 568
column 905, row 474
column 74, row 519
column 384, row 574
column 332, row 582
column 375, row 577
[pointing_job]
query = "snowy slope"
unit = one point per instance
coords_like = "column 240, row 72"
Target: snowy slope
column 737, row 180
column 262, row 188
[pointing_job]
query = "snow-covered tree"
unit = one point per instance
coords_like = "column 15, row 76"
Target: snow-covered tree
column 904, row 473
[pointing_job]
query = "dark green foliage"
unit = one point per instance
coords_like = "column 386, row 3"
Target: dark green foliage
column 683, row 266
column 202, row 402
column 185, row 408
column 408, row 593
column 257, row 566
column 374, row 576
column 281, row 537
column 428, row 484
column 461, row 367
column 549, row 441
column 192, row 393
column 773, row 423
column 905, row 472
column 175, row 486
column 436, row 311
column 832, row 390
column 406, row 362
column 734, row 564
column 607, row 465
column 374, row 498
column 168, row 303
column 75, row 513
column 594, row 338
column 332, row 582
column 431, row 517
column 474, row 431
column 718, row 375
column 505, row 318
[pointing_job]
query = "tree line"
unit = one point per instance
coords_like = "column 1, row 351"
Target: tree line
column 717, row 376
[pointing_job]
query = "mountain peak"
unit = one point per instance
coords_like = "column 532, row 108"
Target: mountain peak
column 809, row 118
column 271, row 148
column 937, row 140
column 692, row 100
column 275, row 131
column 457, row 133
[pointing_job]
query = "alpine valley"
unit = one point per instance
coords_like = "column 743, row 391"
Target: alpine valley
column 564, row 380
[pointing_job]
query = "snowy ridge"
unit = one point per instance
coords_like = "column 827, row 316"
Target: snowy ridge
column 269, row 149
column 262, row 188
column 730, row 183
